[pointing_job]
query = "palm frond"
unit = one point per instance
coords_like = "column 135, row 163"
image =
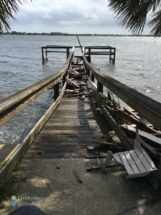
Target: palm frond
column 133, row 13
column 156, row 23
column 7, row 9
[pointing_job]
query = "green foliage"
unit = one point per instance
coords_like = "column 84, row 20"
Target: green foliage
column 133, row 14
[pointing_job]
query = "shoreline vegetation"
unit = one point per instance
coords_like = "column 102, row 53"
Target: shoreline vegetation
column 67, row 34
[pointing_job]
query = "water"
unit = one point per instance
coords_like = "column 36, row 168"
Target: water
column 138, row 64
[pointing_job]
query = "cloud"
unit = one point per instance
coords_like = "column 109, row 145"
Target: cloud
column 44, row 15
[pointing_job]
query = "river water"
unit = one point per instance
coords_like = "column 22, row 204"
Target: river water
column 138, row 65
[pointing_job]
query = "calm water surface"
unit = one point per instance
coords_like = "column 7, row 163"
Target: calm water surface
column 138, row 64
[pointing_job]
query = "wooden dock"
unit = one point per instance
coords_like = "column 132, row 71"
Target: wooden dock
column 71, row 128
column 80, row 115
column 75, row 124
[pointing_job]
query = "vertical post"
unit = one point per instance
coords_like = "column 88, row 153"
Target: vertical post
column 67, row 52
column 89, row 55
column 114, row 56
column 99, row 87
column 42, row 49
column 110, row 56
column 92, row 77
column 56, row 91
column 88, row 71
column 64, row 78
column 46, row 54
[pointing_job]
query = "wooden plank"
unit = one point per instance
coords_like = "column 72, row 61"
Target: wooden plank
column 148, row 159
column 117, row 157
column 148, row 138
column 121, row 135
column 137, row 161
column 132, row 119
column 71, row 132
column 131, row 112
column 143, row 160
column 71, row 127
column 131, row 162
column 6, row 151
column 126, row 164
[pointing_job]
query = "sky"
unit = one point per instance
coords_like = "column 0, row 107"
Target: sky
column 67, row 16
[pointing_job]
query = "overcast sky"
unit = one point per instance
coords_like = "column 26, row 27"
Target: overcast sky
column 67, row 16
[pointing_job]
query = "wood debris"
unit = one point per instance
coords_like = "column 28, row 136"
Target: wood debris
column 70, row 82
column 77, row 176
column 93, row 168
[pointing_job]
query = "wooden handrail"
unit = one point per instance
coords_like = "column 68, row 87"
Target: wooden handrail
column 145, row 106
column 12, row 105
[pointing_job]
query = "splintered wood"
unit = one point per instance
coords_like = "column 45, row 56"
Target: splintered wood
column 72, row 83
column 76, row 85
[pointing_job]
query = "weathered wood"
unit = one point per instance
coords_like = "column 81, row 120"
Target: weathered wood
column 131, row 113
column 145, row 106
column 71, row 83
column 12, row 105
column 122, row 136
column 93, row 168
column 132, row 131
column 131, row 118
column 94, row 156
column 18, row 154
column 105, row 143
column 151, row 149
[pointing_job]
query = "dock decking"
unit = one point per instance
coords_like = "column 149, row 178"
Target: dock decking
column 73, row 126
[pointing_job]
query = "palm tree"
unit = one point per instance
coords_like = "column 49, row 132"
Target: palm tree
column 7, row 8
column 133, row 14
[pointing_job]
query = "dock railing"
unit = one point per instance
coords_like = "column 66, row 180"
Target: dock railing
column 101, row 50
column 145, row 106
column 12, row 105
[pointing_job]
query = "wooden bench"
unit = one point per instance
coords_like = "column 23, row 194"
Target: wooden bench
column 136, row 162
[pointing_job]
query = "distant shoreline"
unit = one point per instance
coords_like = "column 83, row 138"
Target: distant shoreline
column 66, row 34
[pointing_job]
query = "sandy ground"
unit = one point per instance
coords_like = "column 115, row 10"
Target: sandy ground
column 51, row 186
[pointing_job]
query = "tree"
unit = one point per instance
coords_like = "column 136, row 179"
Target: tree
column 133, row 14
column 7, row 9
